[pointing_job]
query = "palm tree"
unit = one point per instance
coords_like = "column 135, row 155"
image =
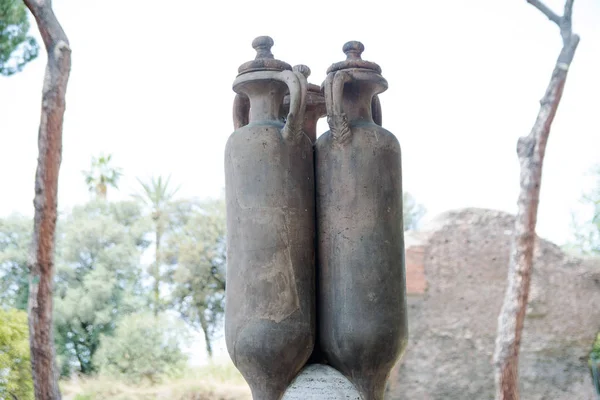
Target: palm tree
column 101, row 175
column 157, row 195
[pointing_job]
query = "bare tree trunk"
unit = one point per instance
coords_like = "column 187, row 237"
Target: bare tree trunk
column 158, row 259
column 207, row 339
column 531, row 150
column 41, row 263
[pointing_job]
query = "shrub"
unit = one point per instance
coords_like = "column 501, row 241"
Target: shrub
column 15, row 364
column 596, row 348
column 144, row 348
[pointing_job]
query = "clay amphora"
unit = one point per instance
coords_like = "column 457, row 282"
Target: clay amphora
column 362, row 290
column 269, row 180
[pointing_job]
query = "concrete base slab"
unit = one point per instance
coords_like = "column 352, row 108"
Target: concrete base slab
column 321, row 382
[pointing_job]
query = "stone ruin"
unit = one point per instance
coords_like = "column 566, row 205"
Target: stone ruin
column 456, row 275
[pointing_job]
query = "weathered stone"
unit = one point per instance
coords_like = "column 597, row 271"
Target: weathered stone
column 321, row 382
column 453, row 323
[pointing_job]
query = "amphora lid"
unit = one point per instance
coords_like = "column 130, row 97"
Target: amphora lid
column 264, row 61
column 353, row 51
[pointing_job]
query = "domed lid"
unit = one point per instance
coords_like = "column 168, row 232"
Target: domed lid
column 264, row 60
column 353, row 51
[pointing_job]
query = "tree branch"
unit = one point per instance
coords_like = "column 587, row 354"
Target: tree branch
column 568, row 10
column 552, row 16
column 48, row 25
column 565, row 24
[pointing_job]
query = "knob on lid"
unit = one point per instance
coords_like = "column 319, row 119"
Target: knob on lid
column 353, row 51
column 264, row 60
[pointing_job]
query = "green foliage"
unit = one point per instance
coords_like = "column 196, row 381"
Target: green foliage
column 98, row 277
column 157, row 196
column 596, row 348
column 15, row 238
column 15, row 367
column 412, row 212
column 196, row 250
column 101, row 175
column 144, row 348
column 16, row 47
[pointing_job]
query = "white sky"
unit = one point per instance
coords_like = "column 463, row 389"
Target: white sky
column 151, row 84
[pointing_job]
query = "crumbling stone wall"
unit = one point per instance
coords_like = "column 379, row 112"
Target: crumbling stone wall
column 456, row 275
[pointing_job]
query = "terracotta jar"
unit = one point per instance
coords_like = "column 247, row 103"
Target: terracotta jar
column 360, row 240
column 269, row 180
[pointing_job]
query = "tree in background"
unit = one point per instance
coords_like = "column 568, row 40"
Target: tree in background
column 157, row 195
column 145, row 348
column 17, row 48
column 587, row 234
column 98, row 277
column 196, row 249
column 412, row 212
column 41, row 266
column 102, row 175
column 98, row 280
column 15, row 366
column 531, row 150
column 15, row 242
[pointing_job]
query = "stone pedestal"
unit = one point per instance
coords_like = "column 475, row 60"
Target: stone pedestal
column 321, row 382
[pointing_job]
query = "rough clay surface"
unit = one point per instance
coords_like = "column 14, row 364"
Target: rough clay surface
column 452, row 325
column 321, row 382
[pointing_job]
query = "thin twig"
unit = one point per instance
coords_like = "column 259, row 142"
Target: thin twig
column 552, row 16
column 568, row 11
column 565, row 24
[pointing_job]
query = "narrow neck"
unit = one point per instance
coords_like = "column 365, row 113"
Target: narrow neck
column 266, row 97
column 311, row 118
column 357, row 99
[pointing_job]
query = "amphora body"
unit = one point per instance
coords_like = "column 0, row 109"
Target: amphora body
column 269, row 176
column 360, row 243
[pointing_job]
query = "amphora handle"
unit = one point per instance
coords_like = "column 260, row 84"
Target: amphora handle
column 241, row 110
column 297, row 85
column 336, row 118
column 376, row 110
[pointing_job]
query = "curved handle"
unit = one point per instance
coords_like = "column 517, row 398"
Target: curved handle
column 297, row 85
column 376, row 110
column 334, row 96
column 241, row 111
column 327, row 89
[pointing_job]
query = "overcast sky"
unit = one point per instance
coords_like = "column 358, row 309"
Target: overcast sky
column 151, row 84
